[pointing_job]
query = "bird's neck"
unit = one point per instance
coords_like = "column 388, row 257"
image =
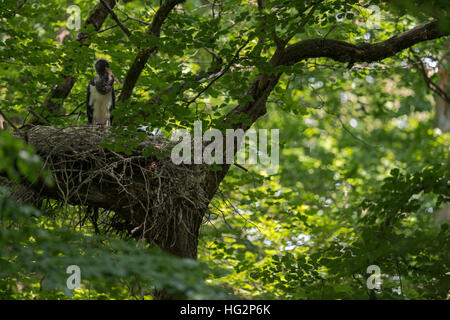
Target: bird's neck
column 103, row 75
column 104, row 84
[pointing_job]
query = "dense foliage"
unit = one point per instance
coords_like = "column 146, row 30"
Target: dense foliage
column 362, row 172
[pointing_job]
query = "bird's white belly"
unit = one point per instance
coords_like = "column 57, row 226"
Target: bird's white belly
column 101, row 105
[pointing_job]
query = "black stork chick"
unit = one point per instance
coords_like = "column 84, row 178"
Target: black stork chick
column 100, row 95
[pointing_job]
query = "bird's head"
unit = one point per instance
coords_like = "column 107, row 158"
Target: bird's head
column 103, row 69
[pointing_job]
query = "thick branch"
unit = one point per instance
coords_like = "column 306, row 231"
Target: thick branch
column 346, row 52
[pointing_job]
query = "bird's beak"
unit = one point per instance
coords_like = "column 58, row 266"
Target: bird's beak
column 112, row 75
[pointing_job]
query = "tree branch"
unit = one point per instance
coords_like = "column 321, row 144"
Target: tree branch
column 116, row 18
column 346, row 52
column 143, row 55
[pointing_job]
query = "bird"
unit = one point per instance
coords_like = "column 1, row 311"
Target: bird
column 100, row 99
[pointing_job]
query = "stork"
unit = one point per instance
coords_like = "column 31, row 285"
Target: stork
column 100, row 95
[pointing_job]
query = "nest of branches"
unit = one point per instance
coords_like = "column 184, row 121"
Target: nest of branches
column 149, row 195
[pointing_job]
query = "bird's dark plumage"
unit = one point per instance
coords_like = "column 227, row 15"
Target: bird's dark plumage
column 100, row 95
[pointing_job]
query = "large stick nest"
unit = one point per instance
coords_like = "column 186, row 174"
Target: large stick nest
column 150, row 194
